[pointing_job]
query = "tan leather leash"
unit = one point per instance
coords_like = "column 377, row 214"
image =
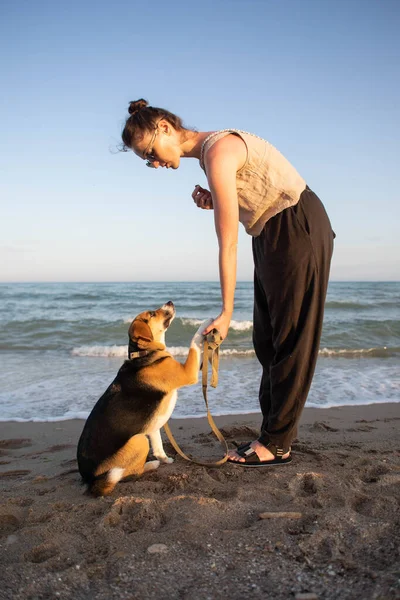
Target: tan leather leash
column 212, row 343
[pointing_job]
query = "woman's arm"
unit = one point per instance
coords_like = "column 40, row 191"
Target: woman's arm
column 222, row 162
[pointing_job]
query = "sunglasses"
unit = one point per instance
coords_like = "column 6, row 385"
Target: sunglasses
column 149, row 155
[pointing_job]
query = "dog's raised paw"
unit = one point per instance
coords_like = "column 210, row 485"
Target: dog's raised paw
column 198, row 337
column 206, row 323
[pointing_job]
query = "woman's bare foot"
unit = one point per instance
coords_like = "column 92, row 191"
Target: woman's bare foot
column 262, row 452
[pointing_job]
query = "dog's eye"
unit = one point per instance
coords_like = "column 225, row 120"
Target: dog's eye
column 152, row 313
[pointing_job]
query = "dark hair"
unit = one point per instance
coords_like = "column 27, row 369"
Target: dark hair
column 143, row 119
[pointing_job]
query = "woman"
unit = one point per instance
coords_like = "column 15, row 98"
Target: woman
column 252, row 183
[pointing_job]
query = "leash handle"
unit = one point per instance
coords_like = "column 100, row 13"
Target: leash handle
column 211, row 346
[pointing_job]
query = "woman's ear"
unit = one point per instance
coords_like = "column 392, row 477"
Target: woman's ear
column 164, row 127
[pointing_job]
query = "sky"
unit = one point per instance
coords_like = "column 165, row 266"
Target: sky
column 319, row 79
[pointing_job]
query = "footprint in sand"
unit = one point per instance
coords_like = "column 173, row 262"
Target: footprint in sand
column 15, row 444
column 62, row 506
column 15, row 474
column 375, row 506
column 203, row 439
column 20, row 501
column 52, row 449
column 243, row 433
column 69, row 463
column 44, row 491
column 68, row 473
column 59, row 447
column 13, row 515
column 175, row 512
column 306, row 484
column 8, row 524
column 373, row 474
column 321, row 426
column 300, row 448
column 132, row 515
column 41, row 553
column 362, row 428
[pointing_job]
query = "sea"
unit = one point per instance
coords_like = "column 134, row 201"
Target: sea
column 61, row 345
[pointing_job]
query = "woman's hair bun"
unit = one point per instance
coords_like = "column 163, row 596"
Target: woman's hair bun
column 134, row 107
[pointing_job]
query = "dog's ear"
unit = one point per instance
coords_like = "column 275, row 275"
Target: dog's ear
column 140, row 333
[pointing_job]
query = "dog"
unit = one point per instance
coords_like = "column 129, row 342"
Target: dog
column 114, row 442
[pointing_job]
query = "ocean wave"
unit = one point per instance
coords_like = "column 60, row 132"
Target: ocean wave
column 122, row 351
column 195, row 323
column 98, row 351
column 235, row 325
column 382, row 352
column 68, row 416
column 344, row 304
column 83, row 415
column 373, row 304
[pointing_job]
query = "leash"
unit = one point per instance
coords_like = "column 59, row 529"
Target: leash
column 212, row 343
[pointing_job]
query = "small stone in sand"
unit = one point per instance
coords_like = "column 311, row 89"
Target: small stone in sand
column 280, row 515
column 156, row 548
column 11, row 539
column 306, row 596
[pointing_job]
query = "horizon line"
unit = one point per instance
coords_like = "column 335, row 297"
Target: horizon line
column 40, row 281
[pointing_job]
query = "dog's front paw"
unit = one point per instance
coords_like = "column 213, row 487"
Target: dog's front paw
column 198, row 337
column 167, row 460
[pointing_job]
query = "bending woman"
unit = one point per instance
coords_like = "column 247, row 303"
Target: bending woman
column 252, row 183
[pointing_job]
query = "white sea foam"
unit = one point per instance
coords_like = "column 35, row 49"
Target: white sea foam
column 100, row 351
column 178, row 350
column 122, row 351
column 69, row 416
column 191, row 322
column 235, row 325
column 241, row 325
column 357, row 352
column 236, row 352
column 182, row 351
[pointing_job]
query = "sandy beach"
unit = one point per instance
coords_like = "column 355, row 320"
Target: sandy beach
column 186, row 531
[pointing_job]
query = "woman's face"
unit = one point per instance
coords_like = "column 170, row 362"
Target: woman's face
column 161, row 147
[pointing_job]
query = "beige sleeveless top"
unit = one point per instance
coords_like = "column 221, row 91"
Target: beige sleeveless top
column 266, row 184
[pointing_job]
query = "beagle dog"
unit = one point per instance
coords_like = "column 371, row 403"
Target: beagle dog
column 114, row 442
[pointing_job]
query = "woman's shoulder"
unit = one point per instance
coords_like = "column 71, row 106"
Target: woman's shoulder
column 223, row 141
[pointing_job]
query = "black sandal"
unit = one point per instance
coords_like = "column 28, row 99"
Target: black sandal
column 251, row 458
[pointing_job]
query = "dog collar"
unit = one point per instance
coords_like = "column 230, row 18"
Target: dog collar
column 133, row 355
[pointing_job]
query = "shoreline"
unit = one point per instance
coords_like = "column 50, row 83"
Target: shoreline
column 245, row 414
column 186, row 531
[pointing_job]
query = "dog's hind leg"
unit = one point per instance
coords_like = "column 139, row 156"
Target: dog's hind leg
column 151, row 465
column 129, row 460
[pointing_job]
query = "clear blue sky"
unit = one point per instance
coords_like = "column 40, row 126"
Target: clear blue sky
column 319, row 79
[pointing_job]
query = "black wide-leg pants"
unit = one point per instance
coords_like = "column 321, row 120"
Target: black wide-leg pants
column 292, row 257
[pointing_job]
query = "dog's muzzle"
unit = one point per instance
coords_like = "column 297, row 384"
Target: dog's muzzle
column 169, row 310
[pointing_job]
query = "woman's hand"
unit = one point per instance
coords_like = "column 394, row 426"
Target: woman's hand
column 202, row 198
column 221, row 323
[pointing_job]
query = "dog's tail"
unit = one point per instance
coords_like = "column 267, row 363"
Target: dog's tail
column 103, row 484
